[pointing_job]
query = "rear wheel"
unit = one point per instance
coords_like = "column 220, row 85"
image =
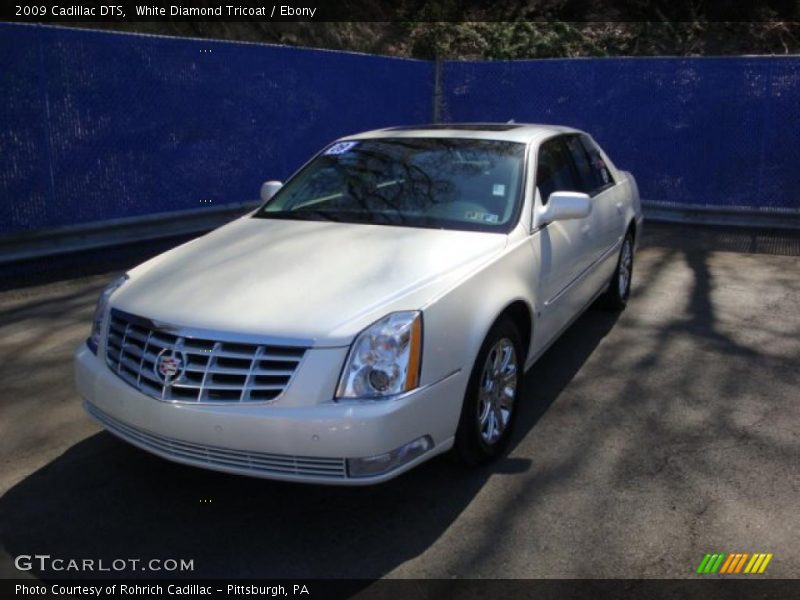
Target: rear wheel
column 489, row 409
column 619, row 289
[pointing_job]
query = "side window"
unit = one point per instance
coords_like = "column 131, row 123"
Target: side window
column 555, row 171
column 586, row 174
column 601, row 175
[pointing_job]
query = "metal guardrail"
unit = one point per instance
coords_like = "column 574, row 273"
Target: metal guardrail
column 736, row 216
column 116, row 232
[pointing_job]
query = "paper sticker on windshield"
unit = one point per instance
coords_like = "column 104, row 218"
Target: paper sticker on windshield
column 498, row 189
column 340, row 148
column 474, row 215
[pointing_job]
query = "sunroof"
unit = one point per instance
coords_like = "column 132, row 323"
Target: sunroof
column 462, row 126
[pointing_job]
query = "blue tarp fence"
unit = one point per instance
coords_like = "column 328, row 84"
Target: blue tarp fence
column 721, row 132
column 97, row 126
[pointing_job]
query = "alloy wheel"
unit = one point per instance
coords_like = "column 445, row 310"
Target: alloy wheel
column 498, row 390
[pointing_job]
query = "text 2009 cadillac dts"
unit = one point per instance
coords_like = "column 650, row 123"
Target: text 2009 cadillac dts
column 378, row 309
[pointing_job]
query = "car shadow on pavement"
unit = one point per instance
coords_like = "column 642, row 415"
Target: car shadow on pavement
column 105, row 499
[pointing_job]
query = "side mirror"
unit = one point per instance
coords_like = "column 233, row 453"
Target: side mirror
column 562, row 206
column 269, row 189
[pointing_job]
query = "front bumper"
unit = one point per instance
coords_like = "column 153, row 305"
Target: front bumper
column 306, row 442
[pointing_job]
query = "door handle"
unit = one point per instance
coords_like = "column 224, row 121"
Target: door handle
column 619, row 207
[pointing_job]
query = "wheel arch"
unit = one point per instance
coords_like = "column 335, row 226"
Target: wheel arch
column 458, row 321
column 520, row 313
column 632, row 228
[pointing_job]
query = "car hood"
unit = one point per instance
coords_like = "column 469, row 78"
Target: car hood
column 320, row 282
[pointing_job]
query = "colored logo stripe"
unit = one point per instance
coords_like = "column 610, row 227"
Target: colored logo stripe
column 758, row 563
column 711, row 563
column 703, row 563
column 726, row 565
column 734, row 563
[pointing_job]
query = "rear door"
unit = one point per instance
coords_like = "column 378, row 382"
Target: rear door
column 607, row 200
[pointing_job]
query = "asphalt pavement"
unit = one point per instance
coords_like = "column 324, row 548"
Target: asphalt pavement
column 645, row 440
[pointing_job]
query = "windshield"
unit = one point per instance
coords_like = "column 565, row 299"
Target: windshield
column 448, row 183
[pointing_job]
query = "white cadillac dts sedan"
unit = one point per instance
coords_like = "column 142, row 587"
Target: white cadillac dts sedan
column 378, row 309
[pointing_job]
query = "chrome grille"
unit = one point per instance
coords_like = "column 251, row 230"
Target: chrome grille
column 224, row 458
column 206, row 370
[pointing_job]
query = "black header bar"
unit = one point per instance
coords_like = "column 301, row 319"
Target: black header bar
column 86, row 11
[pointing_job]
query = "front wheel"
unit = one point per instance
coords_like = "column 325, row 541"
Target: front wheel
column 619, row 288
column 489, row 409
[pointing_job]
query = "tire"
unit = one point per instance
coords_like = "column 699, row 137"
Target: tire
column 619, row 288
column 479, row 439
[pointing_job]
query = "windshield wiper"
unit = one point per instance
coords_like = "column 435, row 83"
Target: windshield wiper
column 300, row 215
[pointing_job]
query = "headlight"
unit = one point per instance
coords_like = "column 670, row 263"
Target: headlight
column 100, row 312
column 384, row 359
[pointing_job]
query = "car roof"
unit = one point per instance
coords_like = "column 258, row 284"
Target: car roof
column 511, row 132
